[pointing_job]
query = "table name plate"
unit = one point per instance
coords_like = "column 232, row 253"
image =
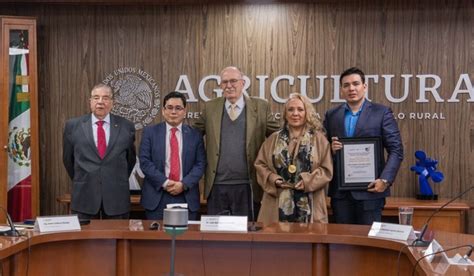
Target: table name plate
column 224, row 223
column 57, row 224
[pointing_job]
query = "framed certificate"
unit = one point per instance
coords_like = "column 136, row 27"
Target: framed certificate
column 359, row 162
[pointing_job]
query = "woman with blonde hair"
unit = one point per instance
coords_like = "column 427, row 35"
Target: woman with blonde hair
column 294, row 166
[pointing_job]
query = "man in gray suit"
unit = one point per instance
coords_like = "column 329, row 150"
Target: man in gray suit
column 99, row 155
column 235, row 127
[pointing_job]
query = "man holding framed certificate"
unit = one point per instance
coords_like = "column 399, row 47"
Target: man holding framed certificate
column 359, row 131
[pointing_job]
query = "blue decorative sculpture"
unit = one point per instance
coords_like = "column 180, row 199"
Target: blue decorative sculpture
column 425, row 168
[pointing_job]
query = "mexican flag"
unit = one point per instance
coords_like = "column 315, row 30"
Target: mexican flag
column 19, row 138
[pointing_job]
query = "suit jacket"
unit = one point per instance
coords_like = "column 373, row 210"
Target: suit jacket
column 374, row 120
column 96, row 180
column 259, row 125
column 153, row 161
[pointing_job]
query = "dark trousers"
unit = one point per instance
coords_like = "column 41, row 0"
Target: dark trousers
column 100, row 215
column 232, row 200
column 348, row 210
column 167, row 198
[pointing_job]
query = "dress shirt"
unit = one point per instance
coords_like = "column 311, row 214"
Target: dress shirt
column 350, row 119
column 239, row 106
column 105, row 126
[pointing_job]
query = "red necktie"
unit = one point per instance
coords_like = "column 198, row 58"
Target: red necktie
column 174, row 156
column 101, row 144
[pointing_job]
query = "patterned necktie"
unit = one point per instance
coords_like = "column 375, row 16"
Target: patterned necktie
column 174, row 156
column 101, row 143
column 233, row 112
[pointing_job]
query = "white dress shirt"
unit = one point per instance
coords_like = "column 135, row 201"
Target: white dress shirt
column 105, row 126
column 239, row 106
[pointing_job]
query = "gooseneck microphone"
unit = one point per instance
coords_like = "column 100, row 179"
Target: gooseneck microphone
column 419, row 242
column 12, row 232
column 468, row 253
column 252, row 227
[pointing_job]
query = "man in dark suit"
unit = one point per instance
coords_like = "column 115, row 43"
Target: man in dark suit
column 361, row 118
column 99, row 155
column 235, row 126
column 173, row 159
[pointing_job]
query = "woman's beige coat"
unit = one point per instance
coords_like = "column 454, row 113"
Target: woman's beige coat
column 315, row 181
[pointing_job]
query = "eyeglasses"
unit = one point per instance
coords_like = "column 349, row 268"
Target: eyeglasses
column 177, row 108
column 232, row 82
column 98, row 98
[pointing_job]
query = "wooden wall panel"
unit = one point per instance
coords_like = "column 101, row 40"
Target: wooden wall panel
column 66, row 71
column 80, row 45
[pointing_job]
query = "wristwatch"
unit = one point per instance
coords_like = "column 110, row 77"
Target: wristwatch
column 385, row 182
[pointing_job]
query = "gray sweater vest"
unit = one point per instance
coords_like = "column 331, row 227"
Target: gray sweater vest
column 232, row 166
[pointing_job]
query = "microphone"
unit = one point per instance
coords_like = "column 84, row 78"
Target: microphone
column 252, row 227
column 419, row 242
column 12, row 232
column 468, row 254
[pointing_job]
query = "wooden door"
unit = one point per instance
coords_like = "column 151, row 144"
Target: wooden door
column 19, row 139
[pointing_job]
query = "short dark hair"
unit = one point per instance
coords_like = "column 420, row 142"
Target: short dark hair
column 174, row 94
column 351, row 71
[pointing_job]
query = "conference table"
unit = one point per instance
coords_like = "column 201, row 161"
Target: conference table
column 453, row 218
column 128, row 247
